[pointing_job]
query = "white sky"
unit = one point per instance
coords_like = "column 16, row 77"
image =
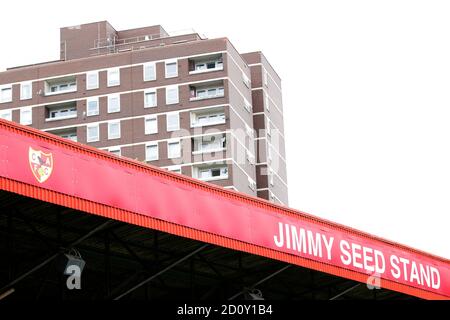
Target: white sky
column 366, row 88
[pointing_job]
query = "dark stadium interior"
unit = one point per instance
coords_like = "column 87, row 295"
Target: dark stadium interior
column 128, row 262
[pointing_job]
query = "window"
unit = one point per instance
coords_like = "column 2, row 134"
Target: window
column 205, row 119
column 173, row 121
column 26, row 90
column 176, row 169
column 265, row 78
column 69, row 135
column 62, row 112
column 113, row 103
column 172, row 95
column 246, row 80
column 210, row 143
column 26, row 116
column 208, row 65
column 6, row 115
column 247, row 105
column 209, row 174
column 151, row 125
column 173, row 149
column 92, row 80
column 205, row 63
column 266, row 102
column 150, row 99
column 114, row 130
column 93, row 133
column 115, row 151
column 61, row 85
column 171, row 69
column 149, row 71
column 151, row 152
column 208, row 93
column 6, row 94
column 92, row 107
column 113, row 77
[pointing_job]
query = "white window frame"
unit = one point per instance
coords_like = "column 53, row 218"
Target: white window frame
column 116, row 82
column 152, row 144
column 146, row 76
column 167, row 121
column 150, row 91
column 22, row 95
column 168, row 89
column 6, row 114
column 90, row 113
column 266, row 101
column 146, row 129
column 177, row 155
column 2, row 98
column 95, row 85
column 168, row 62
column 88, row 139
column 25, row 110
column 110, row 124
column 110, row 97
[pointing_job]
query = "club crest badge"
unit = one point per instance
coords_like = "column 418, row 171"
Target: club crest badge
column 41, row 164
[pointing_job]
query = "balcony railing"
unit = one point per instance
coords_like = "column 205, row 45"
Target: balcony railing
column 114, row 45
column 208, row 93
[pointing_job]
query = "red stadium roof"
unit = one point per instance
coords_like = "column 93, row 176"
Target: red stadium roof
column 52, row 169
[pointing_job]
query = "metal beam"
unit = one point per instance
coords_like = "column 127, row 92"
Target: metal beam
column 270, row 276
column 161, row 272
column 345, row 291
column 55, row 255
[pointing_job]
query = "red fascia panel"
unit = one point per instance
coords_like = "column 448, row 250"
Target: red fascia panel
column 23, row 184
column 179, row 230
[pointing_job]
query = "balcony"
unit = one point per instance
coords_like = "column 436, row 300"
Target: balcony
column 60, row 85
column 205, row 64
column 208, row 117
column 210, row 172
column 61, row 111
column 70, row 134
column 204, row 91
column 208, row 144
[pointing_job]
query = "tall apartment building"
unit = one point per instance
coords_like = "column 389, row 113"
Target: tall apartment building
column 192, row 105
